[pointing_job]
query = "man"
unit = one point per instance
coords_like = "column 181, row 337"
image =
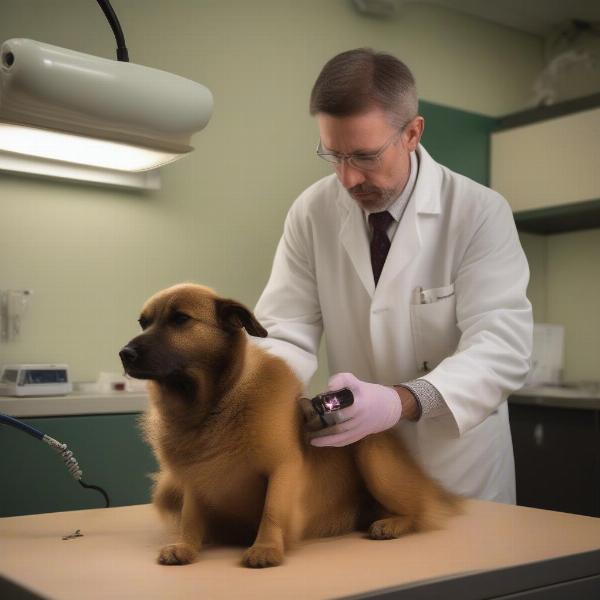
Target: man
column 417, row 278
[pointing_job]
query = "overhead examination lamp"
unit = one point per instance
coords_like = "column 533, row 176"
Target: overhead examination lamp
column 61, row 105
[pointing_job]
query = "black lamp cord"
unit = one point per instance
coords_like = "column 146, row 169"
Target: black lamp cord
column 65, row 453
column 107, row 9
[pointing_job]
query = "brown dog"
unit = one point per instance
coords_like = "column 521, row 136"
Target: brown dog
column 226, row 427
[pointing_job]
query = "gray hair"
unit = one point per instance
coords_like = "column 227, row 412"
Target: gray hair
column 356, row 80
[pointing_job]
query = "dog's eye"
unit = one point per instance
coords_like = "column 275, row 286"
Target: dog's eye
column 143, row 322
column 180, row 318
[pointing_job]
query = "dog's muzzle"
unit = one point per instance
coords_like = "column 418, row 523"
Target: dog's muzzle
column 134, row 363
column 145, row 358
column 129, row 356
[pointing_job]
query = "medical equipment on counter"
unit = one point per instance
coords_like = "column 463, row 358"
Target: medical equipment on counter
column 65, row 453
column 35, row 380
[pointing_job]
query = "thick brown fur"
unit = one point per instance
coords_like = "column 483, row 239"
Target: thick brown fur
column 235, row 467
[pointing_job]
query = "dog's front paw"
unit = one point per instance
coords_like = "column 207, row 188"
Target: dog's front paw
column 390, row 528
column 262, row 556
column 177, row 554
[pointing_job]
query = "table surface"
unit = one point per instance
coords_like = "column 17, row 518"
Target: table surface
column 116, row 555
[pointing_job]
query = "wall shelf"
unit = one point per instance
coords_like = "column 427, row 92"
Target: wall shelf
column 560, row 219
column 543, row 113
column 544, row 161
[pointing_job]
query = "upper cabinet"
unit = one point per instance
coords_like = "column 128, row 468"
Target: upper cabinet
column 546, row 163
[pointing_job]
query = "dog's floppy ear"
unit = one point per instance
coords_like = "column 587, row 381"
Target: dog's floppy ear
column 233, row 316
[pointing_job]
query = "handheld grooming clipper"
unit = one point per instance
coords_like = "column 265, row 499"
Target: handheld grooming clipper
column 321, row 411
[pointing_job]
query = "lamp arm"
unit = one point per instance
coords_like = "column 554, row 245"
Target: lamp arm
column 107, row 9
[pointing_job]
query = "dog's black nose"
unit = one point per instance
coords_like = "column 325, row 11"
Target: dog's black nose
column 128, row 355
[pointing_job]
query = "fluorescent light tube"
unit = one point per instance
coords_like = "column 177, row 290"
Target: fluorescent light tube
column 55, row 145
column 19, row 163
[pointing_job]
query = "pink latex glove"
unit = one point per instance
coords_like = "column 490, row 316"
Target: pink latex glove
column 375, row 408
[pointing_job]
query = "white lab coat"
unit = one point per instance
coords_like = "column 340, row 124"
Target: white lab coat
column 458, row 242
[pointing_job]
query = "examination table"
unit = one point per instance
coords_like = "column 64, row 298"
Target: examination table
column 490, row 551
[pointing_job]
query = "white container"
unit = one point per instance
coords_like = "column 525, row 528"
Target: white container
column 547, row 361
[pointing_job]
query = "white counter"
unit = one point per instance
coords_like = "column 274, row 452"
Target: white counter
column 562, row 391
column 576, row 397
column 75, row 404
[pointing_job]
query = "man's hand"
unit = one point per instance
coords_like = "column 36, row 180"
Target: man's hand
column 375, row 408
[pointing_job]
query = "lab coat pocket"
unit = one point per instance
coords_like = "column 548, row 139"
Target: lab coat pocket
column 434, row 329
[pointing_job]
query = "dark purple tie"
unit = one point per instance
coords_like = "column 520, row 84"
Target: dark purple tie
column 380, row 242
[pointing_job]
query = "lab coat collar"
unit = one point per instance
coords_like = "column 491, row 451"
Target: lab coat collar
column 428, row 185
column 406, row 243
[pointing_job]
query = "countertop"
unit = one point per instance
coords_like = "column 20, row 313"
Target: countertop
column 580, row 397
column 76, row 403
column 116, row 558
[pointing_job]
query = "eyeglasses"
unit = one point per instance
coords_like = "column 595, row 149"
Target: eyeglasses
column 362, row 162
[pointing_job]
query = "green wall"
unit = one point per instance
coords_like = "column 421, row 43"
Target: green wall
column 108, row 448
column 458, row 139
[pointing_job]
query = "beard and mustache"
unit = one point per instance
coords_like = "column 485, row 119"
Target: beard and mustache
column 373, row 198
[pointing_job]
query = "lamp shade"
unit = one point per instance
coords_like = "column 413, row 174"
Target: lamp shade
column 74, row 107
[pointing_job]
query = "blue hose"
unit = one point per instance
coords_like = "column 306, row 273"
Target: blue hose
column 36, row 433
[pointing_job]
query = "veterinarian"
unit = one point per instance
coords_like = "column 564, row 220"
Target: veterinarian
column 416, row 276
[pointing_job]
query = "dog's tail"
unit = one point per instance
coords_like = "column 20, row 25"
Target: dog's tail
column 438, row 507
